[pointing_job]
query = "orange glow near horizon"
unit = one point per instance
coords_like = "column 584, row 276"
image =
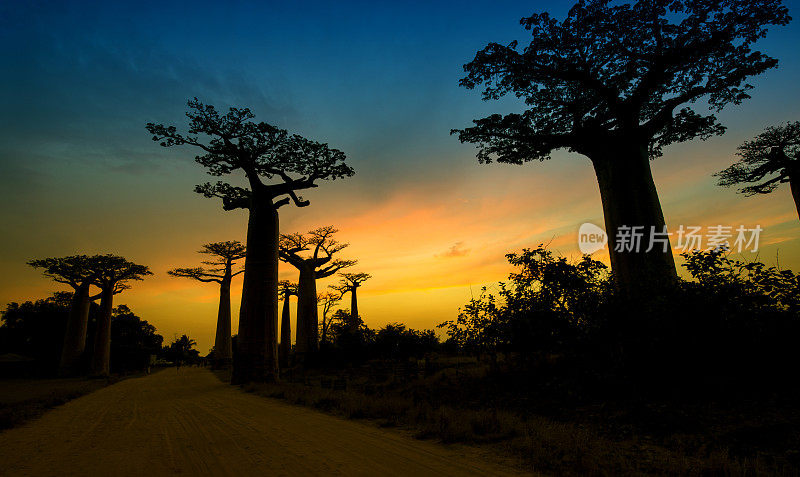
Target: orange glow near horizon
column 429, row 247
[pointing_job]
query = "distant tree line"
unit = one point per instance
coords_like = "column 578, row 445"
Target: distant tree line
column 36, row 329
column 112, row 274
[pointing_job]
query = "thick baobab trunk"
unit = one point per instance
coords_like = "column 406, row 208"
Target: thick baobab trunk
column 286, row 333
column 257, row 347
column 75, row 335
column 307, row 316
column 101, row 355
column 630, row 199
column 794, row 184
column 353, row 304
column 222, row 341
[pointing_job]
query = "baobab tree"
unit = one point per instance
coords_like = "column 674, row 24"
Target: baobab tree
column 77, row 271
column 327, row 301
column 232, row 142
column 286, row 290
column 319, row 264
column 606, row 82
column 113, row 274
column 767, row 161
column 220, row 271
column 350, row 283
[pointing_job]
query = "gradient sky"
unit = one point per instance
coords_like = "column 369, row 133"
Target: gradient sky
column 79, row 174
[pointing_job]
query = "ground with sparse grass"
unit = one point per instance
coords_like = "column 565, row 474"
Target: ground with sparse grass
column 466, row 403
column 24, row 399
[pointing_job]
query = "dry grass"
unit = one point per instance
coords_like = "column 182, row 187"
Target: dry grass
column 537, row 442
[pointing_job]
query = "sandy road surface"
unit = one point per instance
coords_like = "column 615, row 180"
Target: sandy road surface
column 192, row 424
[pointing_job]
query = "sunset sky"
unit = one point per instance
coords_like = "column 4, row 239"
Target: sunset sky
column 79, row 173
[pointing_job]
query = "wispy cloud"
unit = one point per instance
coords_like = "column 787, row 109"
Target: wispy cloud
column 456, row 250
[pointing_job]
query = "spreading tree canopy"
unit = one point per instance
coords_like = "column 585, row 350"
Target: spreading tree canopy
column 617, row 82
column 232, row 142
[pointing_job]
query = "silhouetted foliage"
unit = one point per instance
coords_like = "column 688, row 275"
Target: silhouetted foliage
column 395, row 341
column 353, row 342
column 733, row 323
column 547, row 304
column 35, row 329
column 606, row 82
column 351, row 337
column 767, row 161
column 181, row 350
column 133, row 341
column 79, row 272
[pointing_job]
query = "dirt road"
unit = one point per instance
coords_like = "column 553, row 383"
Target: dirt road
column 190, row 423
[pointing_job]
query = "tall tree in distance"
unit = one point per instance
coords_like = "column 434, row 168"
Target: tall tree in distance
column 225, row 255
column 613, row 81
column 350, row 283
column 114, row 273
column 286, row 290
column 327, row 301
column 232, row 142
column 78, row 272
column 767, row 161
column 317, row 263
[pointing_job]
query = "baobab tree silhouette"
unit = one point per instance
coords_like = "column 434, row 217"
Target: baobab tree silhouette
column 114, row 273
column 606, row 82
column 286, row 290
column 767, row 161
column 221, row 272
column 327, row 301
column 350, row 283
column 79, row 272
column 320, row 264
column 261, row 151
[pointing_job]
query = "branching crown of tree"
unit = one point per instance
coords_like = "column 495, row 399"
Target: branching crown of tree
column 612, row 71
column 115, row 271
column 286, row 288
column 74, row 270
column 225, row 253
column 355, row 279
column 322, row 247
column 350, row 281
column 770, row 159
column 328, row 300
column 233, row 142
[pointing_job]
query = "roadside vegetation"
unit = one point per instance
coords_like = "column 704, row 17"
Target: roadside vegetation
column 540, row 370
